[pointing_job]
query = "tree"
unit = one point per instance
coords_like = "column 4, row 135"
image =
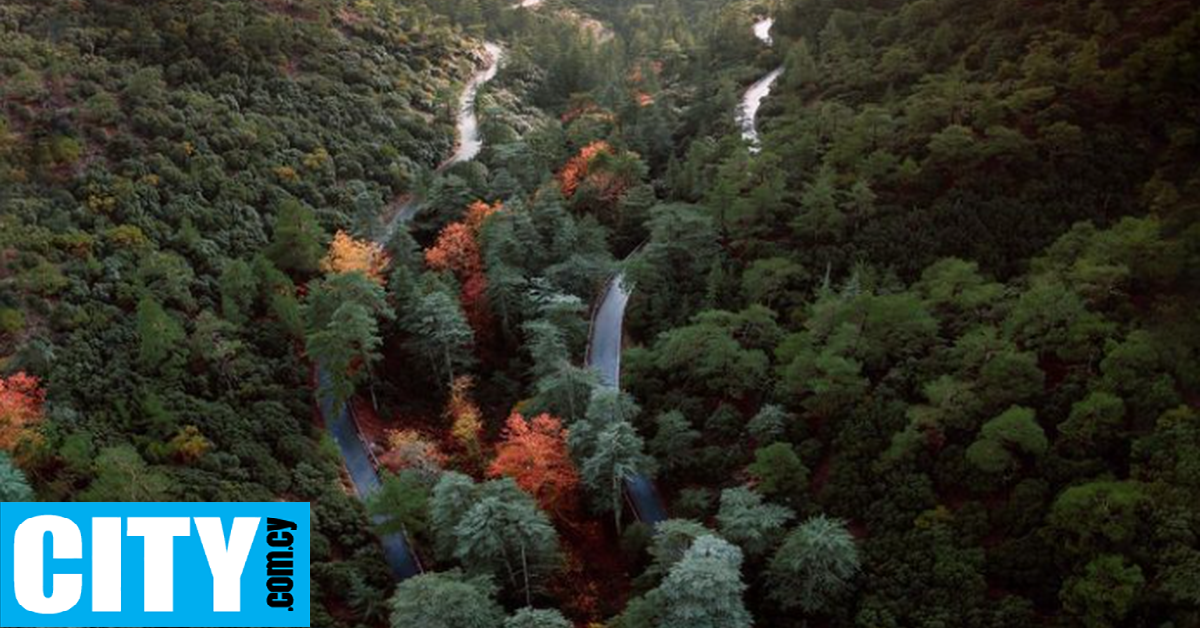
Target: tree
column 410, row 450
column 447, row 600
column 674, row 441
column 440, row 333
column 815, row 566
column 239, row 288
column 345, row 349
column 769, row 424
column 704, row 589
column 348, row 255
column 13, row 486
column 1094, row 424
column 617, row 454
column 671, row 540
column 534, row 453
column 452, row 497
column 537, row 618
column 1104, row 593
column 745, row 520
column 1014, row 432
column 123, row 476
column 401, row 504
column 160, row 337
column 504, row 533
column 1089, row 518
column 297, row 242
column 820, row 217
column 778, row 471
column 20, row 408
column 466, row 419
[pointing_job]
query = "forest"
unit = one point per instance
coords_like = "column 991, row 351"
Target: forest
column 626, row 314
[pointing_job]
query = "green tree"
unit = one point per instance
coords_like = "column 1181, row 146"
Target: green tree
column 453, row 495
column 440, row 333
column 704, row 589
column 674, row 441
column 447, row 600
column 1015, row 432
column 778, row 471
column 537, row 618
column 1089, row 518
column 239, row 289
column 123, row 476
column 13, row 486
column 617, row 453
column 1094, row 424
column 160, row 337
column 401, row 504
column 346, row 348
column 1103, row 595
column 505, row 533
column 769, row 424
column 815, row 566
column 745, row 520
column 298, row 241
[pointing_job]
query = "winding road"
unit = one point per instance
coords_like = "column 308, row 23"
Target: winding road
column 604, row 356
column 754, row 96
column 360, row 462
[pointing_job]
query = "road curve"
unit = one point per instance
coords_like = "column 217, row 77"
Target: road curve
column 604, row 356
column 752, row 99
column 356, row 454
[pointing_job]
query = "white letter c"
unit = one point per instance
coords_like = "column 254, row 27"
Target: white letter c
column 66, row 542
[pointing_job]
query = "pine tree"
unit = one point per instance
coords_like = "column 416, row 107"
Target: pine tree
column 13, row 486
column 537, row 618
column 440, row 333
column 815, row 566
column 617, row 454
column 705, row 588
column 446, row 600
column 297, row 242
column 745, row 520
column 160, row 336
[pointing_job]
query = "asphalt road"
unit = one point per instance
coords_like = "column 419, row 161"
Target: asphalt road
column 604, row 356
column 341, row 424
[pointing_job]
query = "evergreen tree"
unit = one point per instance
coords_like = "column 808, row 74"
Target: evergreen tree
column 448, row 600
column 13, row 486
column 704, row 589
column 440, row 333
column 298, row 242
column 814, row 567
column 745, row 520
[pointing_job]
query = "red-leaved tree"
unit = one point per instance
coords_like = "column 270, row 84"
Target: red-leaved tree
column 534, row 453
column 20, row 408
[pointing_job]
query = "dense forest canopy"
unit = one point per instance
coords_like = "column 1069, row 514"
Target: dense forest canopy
column 925, row 354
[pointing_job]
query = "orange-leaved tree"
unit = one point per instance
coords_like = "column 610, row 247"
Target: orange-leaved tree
column 578, row 166
column 534, row 453
column 20, row 408
column 457, row 251
column 347, row 255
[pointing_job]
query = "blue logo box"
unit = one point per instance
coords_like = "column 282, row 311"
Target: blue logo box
column 154, row 564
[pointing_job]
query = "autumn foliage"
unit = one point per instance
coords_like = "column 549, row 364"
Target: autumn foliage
column 577, row 167
column 534, row 453
column 20, row 408
column 409, row 449
column 347, row 255
column 457, row 251
column 466, row 420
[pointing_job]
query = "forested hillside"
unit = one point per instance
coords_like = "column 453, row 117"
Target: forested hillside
column 922, row 352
